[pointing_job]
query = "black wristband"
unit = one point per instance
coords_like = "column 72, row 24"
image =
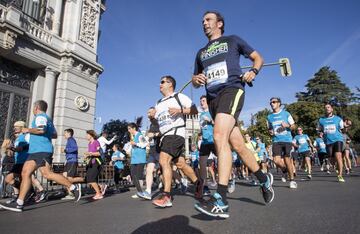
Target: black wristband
column 256, row 71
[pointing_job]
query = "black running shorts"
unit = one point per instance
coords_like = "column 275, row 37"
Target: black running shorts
column 173, row 145
column 333, row 148
column 281, row 149
column 229, row 101
column 40, row 158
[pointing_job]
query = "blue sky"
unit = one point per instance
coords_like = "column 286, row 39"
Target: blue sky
column 143, row 40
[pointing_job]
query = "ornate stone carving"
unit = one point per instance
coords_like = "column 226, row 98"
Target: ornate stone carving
column 9, row 40
column 16, row 75
column 82, row 103
column 90, row 14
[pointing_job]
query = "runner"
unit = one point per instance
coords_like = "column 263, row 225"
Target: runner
column 262, row 154
column 117, row 159
column 331, row 125
column 71, row 163
column 280, row 123
column 153, row 159
column 170, row 114
column 321, row 149
column 217, row 67
column 20, row 150
column 304, row 146
column 93, row 163
column 40, row 156
column 207, row 146
column 138, row 158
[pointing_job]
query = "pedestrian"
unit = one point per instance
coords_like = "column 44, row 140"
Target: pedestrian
column 217, row 68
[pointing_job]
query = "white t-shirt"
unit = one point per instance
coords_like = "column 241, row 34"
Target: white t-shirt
column 168, row 123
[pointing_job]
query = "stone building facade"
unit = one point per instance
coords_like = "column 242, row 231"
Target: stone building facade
column 48, row 50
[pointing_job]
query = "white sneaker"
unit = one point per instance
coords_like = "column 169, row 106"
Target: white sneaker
column 293, row 185
column 135, row 196
column 283, row 179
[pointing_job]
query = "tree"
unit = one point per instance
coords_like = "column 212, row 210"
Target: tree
column 259, row 126
column 118, row 128
column 326, row 86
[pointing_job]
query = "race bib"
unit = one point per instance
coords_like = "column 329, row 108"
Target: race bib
column 302, row 141
column 216, row 73
column 330, row 129
column 322, row 145
column 164, row 120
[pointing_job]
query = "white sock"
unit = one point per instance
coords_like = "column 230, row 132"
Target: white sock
column 20, row 202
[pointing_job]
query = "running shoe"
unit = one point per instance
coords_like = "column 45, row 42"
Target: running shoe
column 77, row 192
column 347, row 172
column 328, row 171
column 98, row 197
column 70, row 196
column 283, row 179
column 213, row 184
column 183, row 188
column 135, row 196
column 103, row 188
column 267, row 190
column 341, row 179
column 309, row 176
column 214, row 207
column 40, row 196
column 231, row 187
column 206, row 191
column 293, row 185
column 254, row 183
column 322, row 168
column 145, row 195
column 12, row 200
column 163, row 201
column 12, row 207
column 199, row 189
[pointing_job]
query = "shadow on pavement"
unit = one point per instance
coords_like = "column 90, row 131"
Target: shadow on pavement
column 174, row 224
column 248, row 200
column 204, row 217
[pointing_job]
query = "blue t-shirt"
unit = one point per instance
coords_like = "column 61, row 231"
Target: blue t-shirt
column 20, row 157
column 71, row 150
column 42, row 143
column 262, row 153
column 320, row 145
column 138, row 154
column 195, row 156
column 302, row 142
column 219, row 60
column 274, row 121
column 331, row 126
column 118, row 155
column 207, row 128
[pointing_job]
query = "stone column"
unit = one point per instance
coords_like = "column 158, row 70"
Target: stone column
column 49, row 89
column 57, row 16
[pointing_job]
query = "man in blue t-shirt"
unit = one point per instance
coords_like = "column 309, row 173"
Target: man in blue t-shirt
column 40, row 156
column 303, row 144
column 321, row 152
column 217, row 68
column 280, row 123
column 331, row 125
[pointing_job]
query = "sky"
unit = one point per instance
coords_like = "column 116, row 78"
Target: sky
column 143, row 40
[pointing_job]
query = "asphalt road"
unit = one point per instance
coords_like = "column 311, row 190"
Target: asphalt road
column 321, row 205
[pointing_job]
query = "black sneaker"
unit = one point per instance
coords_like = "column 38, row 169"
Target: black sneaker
column 12, row 207
column 77, row 192
column 214, row 207
column 267, row 190
column 40, row 196
column 199, row 189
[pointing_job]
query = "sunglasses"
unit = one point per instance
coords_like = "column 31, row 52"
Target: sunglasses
column 273, row 102
column 164, row 81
